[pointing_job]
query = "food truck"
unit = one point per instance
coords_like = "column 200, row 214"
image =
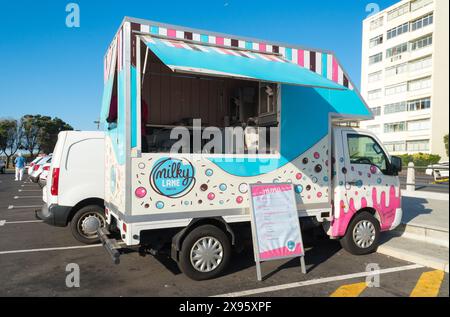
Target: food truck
column 296, row 111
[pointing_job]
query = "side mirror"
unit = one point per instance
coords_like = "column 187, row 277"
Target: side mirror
column 397, row 165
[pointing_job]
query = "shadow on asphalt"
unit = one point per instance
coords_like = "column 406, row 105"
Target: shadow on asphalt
column 320, row 249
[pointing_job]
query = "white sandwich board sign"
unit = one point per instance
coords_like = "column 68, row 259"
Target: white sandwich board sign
column 275, row 224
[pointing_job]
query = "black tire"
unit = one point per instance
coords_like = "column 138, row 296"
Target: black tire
column 76, row 223
column 348, row 241
column 2, row 170
column 194, row 236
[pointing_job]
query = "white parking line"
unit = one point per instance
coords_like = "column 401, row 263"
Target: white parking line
column 4, row 222
column 22, row 197
column 318, row 281
column 28, row 190
column 23, row 207
column 51, row 249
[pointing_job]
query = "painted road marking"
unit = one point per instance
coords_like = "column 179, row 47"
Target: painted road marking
column 4, row 222
column 57, row 248
column 350, row 290
column 51, row 249
column 428, row 284
column 319, row 281
column 23, row 207
column 21, row 197
column 28, row 190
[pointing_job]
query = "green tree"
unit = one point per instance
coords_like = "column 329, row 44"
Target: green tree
column 446, row 143
column 48, row 134
column 10, row 138
column 31, row 126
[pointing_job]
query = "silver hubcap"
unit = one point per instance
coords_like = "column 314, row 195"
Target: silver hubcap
column 89, row 224
column 206, row 254
column 364, row 234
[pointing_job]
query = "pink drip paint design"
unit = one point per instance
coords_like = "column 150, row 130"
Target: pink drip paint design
column 385, row 212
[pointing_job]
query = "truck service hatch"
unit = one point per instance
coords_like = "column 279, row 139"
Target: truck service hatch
column 186, row 57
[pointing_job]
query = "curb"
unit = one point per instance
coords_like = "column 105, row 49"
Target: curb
column 424, row 233
column 435, row 263
column 425, row 195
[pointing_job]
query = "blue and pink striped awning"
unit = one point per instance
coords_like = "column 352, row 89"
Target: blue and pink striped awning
column 189, row 57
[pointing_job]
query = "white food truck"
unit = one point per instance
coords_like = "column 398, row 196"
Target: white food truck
column 296, row 111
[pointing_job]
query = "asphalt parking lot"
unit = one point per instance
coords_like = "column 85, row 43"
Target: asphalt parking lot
column 34, row 258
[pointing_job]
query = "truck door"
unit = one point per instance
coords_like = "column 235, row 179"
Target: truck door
column 367, row 177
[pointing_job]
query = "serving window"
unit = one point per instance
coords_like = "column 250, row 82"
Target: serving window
column 232, row 116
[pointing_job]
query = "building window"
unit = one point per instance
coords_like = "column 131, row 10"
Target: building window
column 375, row 128
column 399, row 30
column 374, row 94
column 375, row 58
column 395, row 90
column 396, row 70
column 376, row 41
column 422, row 22
column 374, row 77
column 396, row 50
column 375, row 24
column 419, row 104
column 419, row 125
column 394, row 127
column 401, row 10
column 418, row 4
column 395, row 146
column 418, row 146
column 395, row 107
column 376, row 111
column 420, row 64
column 419, row 84
column 422, row 42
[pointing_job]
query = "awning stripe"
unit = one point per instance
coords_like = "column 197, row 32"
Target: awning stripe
column 213, row 60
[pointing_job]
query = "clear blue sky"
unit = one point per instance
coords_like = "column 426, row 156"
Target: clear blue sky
column 50, row 69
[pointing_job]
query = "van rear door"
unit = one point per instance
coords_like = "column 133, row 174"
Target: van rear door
column 56, row 162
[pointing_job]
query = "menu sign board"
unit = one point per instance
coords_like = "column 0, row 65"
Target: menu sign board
column 275, row 224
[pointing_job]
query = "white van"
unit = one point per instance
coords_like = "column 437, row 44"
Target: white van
column 74, row 192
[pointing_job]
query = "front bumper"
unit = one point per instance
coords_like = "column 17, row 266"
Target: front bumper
column 54, row 215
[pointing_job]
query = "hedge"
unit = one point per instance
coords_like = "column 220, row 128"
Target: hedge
column 420, row 159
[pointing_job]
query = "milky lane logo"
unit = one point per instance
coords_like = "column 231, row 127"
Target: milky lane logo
column 173, row 178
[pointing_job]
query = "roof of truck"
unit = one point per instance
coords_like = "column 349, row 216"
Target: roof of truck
column 323, row 62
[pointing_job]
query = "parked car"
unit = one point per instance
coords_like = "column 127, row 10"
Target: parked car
column 34, row 162
column 438, row 171
column 74, row 194
column 39, row 167
column 2, row 166
column 43, row 177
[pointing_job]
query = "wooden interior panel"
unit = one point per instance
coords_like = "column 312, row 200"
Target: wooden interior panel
column 173, row 97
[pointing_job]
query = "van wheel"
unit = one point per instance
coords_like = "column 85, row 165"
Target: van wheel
column 85, row 223
column 205, row 253
column 363, row 234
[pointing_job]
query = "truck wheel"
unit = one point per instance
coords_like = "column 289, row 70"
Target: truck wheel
column 362, row 235
column 85, row 223
column 205, row 253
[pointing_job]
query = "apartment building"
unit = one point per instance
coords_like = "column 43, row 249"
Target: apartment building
column 405, row 75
